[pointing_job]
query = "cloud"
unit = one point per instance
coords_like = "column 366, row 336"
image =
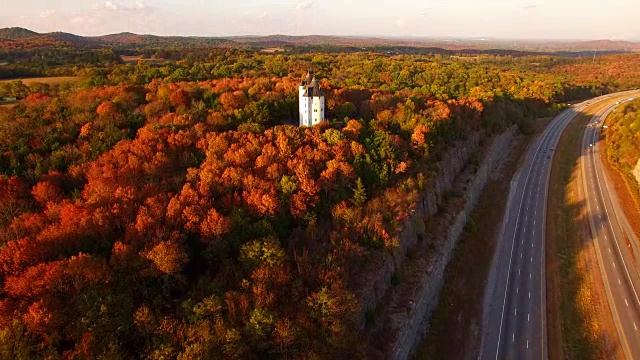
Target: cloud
column 110, row 5
column 305, row 5
column 46, row 14
column 401, row 22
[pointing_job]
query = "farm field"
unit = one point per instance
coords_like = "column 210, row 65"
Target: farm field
column 45, row 80
column 135, row 59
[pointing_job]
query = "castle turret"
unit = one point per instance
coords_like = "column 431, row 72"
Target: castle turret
column 311, row 102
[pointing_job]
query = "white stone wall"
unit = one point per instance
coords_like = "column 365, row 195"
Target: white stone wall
column 305, row 111
column 317, row 114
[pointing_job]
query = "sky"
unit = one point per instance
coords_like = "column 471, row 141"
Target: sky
column 476, row 19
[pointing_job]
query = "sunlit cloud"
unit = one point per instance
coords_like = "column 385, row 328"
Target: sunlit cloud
column 304, row 5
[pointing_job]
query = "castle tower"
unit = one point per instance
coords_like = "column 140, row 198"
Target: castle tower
column 311, row 102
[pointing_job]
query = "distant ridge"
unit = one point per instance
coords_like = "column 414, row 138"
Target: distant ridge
column 21, row 37
column 16, row 33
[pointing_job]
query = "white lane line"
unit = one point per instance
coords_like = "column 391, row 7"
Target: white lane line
column 528, row 317
column 529, row 275
column 520, row 255
column 532, row 259
column 513, row 337
column 515, row 312
column 609, row 250
column 559, row 120
column 518, row 271
column 518, row 290
column 634, row 325
column 626, row 302
column 527, row 344
column 619, row 282
column 529, row 294
column 531, row 244
column 614, row 264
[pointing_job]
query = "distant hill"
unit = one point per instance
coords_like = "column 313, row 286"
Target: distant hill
column 69, row 38
column 23, row 38
column 16, row 33
column 128, row 38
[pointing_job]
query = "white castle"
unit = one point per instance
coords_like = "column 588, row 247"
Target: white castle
column 311, row 102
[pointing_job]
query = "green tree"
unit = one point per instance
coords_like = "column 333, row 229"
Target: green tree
column 359, row 194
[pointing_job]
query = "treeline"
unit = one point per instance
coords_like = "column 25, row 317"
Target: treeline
column 67, row 61
column 623, row 136
column 153, row 216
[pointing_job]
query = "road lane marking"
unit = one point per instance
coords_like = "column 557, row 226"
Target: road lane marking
column 634, row 325
column 515, row 312
column 529, row 275
column 609, row 250
column 529, row 294
column 529, row 319
column 614, row 264
column 619, row 282
column 532, row 259
column 518, row 271
column 513, row 337
column 518, row 290
column 561, row 121
column 626, row 302
column 527, row 344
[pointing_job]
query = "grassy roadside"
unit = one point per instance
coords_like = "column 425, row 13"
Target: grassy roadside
column 578, row 316
column 455, row 331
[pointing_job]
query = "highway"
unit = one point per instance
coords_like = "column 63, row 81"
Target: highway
column 514, row 316
column 608, row 228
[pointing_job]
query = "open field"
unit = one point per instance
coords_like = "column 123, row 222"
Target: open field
column 135, row 59
column 54, row 80
column 579, row 320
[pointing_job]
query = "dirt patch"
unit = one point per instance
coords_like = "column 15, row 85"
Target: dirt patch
column 579, row 320
column 455, row 331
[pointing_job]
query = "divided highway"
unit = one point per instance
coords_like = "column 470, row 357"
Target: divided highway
column 514, row 319
column 608, row 229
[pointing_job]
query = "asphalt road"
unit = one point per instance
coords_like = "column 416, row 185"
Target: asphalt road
column 608, row 228
column 514, row 318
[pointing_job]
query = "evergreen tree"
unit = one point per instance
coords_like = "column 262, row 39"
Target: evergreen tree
column 359, row 194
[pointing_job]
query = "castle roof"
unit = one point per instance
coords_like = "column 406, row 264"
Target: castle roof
column 311, row 86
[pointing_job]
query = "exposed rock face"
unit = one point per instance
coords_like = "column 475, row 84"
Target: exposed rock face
column 636, row 172
column 404, row 313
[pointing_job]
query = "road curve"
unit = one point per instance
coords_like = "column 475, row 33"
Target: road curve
column 514, row 317
column 608, row 229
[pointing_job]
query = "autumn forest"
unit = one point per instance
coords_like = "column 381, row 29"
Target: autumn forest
column 173, row 208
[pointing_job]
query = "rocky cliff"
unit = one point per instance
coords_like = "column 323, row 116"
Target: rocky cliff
column 403, row 294
column 636, row 171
